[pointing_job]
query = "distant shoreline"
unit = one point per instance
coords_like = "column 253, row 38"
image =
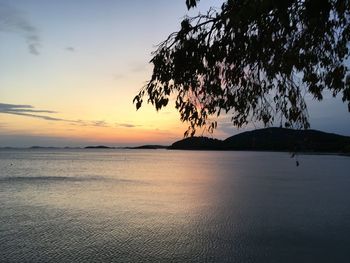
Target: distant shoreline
column 262, row 140
column 170, row 149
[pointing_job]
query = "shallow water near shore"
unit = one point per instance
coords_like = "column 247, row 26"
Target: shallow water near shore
column 173, row 206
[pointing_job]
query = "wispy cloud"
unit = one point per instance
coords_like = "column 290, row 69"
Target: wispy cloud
column 70, row 49
column 12, row 20
column 20, row 108
column 127, row 125
column 99, row 123
column 95, row 123
column 30, row 111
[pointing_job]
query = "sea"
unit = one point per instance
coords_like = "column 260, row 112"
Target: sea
column 124, row 205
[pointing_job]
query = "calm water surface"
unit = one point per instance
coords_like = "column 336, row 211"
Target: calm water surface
column 172, row 206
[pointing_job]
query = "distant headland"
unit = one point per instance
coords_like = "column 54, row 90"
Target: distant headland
column 99, row 147
column 271, row 139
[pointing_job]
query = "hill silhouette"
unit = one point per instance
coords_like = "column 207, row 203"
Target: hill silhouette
column 198, row 143
column 271, row 139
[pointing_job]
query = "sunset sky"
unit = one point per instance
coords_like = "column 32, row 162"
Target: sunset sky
column 69, row 70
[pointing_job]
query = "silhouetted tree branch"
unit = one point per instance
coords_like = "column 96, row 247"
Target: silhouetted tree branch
column 254, row 59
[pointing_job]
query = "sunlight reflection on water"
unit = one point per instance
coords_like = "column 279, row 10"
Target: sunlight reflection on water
column 180, row 206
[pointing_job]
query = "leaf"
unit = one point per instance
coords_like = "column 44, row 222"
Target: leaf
column 191, row 3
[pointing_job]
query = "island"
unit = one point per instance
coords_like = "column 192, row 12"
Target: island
column 99, row 147
column 271, row 139
column 146, row 147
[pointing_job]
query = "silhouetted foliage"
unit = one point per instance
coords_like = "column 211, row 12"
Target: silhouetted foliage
column 254, row 59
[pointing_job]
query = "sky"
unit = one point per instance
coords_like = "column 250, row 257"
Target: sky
column 70, row 69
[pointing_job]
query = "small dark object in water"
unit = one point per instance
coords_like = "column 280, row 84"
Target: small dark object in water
column 297, row 163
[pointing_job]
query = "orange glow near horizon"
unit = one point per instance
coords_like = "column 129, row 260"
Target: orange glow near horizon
column 146, row 126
